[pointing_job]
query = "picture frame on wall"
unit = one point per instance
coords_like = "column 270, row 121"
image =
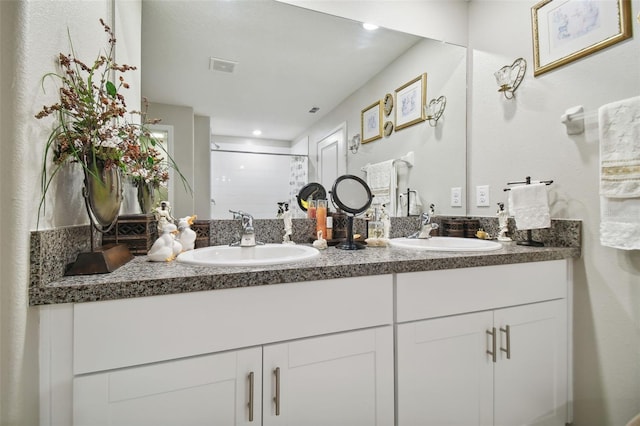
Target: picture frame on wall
column 410, row 101
column 566, row 30
column 371, row 122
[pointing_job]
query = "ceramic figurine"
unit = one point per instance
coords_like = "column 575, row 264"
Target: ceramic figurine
column 320, row 243
column 288, row 225
column 177, row 246
column 187, row 236
column 163, row 249
column 503, row 218
column 386, row 222
column 282, row 207
column 163, row 215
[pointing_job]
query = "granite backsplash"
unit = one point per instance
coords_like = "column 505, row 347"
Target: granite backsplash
column 53, row 250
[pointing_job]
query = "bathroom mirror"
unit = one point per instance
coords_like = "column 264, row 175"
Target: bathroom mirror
column 181, row 46
column 352, row 195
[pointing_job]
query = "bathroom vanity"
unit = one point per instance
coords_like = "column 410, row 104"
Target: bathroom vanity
column 380, row 336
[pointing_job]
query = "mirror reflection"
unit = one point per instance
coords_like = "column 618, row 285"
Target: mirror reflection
column 212, row 112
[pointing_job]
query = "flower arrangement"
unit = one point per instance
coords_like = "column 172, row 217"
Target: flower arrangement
column 90, row 111
column 92, row 124
column 148, row 166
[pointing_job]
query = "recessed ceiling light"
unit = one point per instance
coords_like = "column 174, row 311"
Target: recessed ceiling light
column 257, row 132
column 369, row 26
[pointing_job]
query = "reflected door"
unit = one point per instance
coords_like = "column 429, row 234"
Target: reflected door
column 332, row 157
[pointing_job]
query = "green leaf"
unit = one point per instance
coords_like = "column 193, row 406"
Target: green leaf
column 111, row 89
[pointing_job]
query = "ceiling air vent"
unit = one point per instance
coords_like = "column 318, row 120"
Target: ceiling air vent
column 314, row 110
column 222, row 65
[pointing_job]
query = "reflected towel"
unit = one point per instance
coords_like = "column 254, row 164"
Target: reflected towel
column 415, row 206
column 382, row 180
column 619, row 127
column 529, row 206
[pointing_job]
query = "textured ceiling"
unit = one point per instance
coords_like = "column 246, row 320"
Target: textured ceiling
column 289, row 59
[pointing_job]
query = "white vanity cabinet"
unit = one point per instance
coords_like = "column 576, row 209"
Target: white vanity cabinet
column 217, row 389
column 339, row 379
column 344, row 379
column 450, row 325
column 188, row 359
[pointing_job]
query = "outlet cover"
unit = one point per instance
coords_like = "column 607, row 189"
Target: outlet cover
column 456, row 197
column 482, row 196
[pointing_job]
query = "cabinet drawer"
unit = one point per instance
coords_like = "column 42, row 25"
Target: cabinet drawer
column 120, row 333
column 431, row 294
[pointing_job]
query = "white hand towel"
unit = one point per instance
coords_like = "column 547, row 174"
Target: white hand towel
column 382, row 180
column 529, row 205
column 619, row 125
column 620, row 223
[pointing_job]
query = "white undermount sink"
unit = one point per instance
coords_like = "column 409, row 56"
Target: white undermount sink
column 445, row 244
column 267, row 254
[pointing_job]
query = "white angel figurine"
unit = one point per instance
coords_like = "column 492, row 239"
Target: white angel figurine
column 288, row 225
column 503, row 218
column 163, row 214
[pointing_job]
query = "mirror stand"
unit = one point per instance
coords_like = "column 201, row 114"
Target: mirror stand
column 349, row 244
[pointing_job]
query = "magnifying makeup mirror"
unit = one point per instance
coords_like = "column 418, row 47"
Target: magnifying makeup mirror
column 351, row 194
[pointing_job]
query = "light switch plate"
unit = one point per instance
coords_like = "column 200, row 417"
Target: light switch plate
column 482, row 196
column 456, row 197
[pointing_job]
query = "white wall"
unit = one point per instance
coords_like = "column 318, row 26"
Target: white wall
column 509, row 140
column 201, row 167
column 33, row 33
column 439, row 151
column 182, row 120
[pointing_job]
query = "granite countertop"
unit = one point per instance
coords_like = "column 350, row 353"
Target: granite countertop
column 140, row 277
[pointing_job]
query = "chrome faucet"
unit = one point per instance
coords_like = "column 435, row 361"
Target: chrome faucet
column 425, row 227
column 248, row 238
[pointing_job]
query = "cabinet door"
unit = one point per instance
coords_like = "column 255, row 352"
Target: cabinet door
column 445, row 376
column 531, row 380
column 340, row 379
column 210, row 389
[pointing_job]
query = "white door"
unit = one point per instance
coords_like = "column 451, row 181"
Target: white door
column 445, row 376
column 332, row 157
column 211, row 389
column 343, row 379
column 531, row 384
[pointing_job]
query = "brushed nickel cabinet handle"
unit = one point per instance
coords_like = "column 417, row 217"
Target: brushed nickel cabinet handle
column 251, row 396
column 276, row 399
column 493, row 351
column 507, row 331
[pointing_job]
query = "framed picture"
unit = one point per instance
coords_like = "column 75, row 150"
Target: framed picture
column 371, row 122
column 566, row 30
column 410, row 101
